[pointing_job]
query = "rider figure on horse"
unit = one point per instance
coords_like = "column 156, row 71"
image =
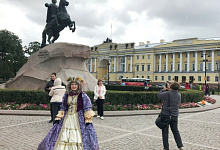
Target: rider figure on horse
column 57, row 19
column 52, row 13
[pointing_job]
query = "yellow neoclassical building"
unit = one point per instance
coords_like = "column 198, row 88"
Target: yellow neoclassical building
column 182, row 60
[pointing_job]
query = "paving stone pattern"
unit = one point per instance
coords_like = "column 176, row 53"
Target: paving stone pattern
column 199, row 131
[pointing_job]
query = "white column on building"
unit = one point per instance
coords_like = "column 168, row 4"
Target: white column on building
column 131, row 63
column 115, row 64
column 125, row 64
column 204, row 61
column 94, row 64
column 90, row 65
column 117, row 69
column 173, row 62
column 213, row 57
column 188, row 63
column 181, row 62
column 154, row 62
column 160, row 63
column 196, row 61
column 110, row 70
column 167, row 58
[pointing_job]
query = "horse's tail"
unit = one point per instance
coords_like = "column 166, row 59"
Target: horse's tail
column 44, row 36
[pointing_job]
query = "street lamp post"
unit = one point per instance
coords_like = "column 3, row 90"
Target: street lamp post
column 217, row 64
column 204, row 60
column 108, row 71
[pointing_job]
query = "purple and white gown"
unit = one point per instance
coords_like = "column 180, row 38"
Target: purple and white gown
column 72, row 133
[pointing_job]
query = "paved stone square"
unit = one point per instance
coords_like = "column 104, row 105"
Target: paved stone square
column 199, row 131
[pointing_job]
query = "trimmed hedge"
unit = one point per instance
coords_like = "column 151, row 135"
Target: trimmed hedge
column 113, row 97
column 134, row 88
column 24, row 96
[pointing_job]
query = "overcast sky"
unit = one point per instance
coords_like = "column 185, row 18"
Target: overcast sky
column 132, row 20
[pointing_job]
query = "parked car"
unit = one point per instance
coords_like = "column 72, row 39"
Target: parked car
column 182, row 86
column 104, row 82
column 160, row 85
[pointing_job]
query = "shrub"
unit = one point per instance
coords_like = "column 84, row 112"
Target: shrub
column 134, row 88
column 113, row 97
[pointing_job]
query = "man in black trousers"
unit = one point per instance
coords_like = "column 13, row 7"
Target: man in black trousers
column 48, row 88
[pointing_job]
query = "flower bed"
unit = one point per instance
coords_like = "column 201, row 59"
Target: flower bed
column 26, row 106
column 107, row 106
column 210, row 100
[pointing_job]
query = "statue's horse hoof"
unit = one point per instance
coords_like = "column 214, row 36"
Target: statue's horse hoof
column 73, row 30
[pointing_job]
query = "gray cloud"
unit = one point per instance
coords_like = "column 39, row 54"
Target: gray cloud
column 181, row 19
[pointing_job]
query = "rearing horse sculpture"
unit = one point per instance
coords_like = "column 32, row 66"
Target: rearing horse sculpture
column 53, row 28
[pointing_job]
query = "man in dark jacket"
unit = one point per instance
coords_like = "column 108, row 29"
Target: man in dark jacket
column 171, row 100
column 48, row 88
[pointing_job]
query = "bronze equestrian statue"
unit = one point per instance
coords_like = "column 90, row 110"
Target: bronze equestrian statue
column 57, row 19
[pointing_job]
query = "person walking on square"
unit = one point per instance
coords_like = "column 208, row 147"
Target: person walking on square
column 203, row 88
column 73, row 129
column 207, row 90
column 171, row 113
column 99, row 97
column 200, row 87
column 57, row 92
column 48, row 88
column 187, row 85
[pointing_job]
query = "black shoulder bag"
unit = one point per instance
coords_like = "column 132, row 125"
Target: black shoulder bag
column 161, row 122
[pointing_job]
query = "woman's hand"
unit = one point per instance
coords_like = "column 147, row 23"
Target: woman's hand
column 94, row 100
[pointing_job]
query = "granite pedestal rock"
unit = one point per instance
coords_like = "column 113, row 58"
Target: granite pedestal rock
column 65, row 59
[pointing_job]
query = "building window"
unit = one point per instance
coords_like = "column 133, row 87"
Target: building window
column 148, row 77
column 216, row 78
column 142, row 56
column 193, row 54
column 201, row 66
column 209, row 54
column 89, row 64
column 165, row 56
column 199, row 78
column 142, row 68
column 171, row 67
column 148, row 56
column 208, row 78
column 201, row 54
column 137, row 68
column 164, row 68
column 137, row 56
column 209, row 66
column 122, row 67
column 142, row 76
column 122, row 60
column 158, row 56
column 178, row 55
column 136, row 76
column 178, row 67
column 172, row 56
column 162, row 78
column 218, row 53
column 185, row 67
column 155, row 78
column 169, row 78
column 193, row 67
column 186, row 55
column 158, row 67
column 148, row 67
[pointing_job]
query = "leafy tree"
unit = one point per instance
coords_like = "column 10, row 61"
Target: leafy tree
column 11, row 54
column 32, row 47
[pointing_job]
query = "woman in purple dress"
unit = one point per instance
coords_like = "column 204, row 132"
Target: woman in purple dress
column 74, row 130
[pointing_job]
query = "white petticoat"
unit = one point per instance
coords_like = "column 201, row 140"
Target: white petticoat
column 70, row 137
